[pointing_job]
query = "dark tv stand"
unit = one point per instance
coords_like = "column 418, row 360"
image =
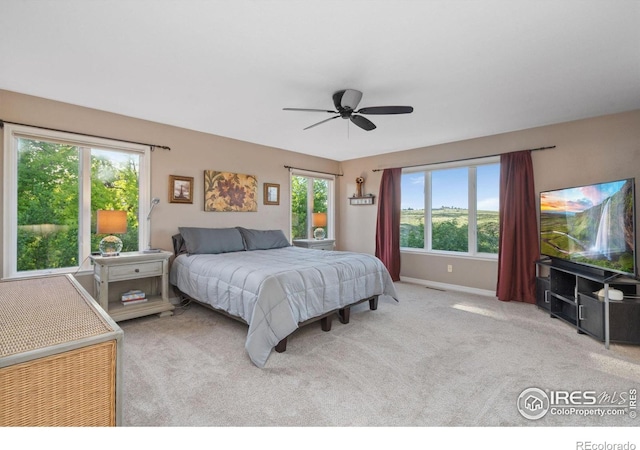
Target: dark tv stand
column 569, row 292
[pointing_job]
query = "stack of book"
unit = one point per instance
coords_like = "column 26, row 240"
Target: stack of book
column 134, row 296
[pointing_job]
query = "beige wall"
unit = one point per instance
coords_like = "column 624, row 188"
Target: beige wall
column 587, row 151
column 191, row 153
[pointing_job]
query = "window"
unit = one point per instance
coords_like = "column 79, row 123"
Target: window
column 458, row 202
column 53, row 185
column 311, row 193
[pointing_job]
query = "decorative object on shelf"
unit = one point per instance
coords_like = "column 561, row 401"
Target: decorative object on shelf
column 614, row 294
column 360, row 198
column 360, row 187
column 154, row 202
column 180, row 189
column 365, row 200
column 271, row 195
column 230, row 192
column 111, row 222
column 319, row 221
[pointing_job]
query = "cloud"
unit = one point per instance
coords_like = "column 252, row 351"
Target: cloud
column 417, row 180
column 554, row 203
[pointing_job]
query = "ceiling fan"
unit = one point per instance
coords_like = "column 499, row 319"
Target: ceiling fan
column 346, row 102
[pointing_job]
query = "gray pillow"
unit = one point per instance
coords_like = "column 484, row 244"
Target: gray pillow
column 211, row 240
column 178, row 244
column 263, row 239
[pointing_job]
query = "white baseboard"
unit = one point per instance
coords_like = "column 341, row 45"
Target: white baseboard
column 449, row 287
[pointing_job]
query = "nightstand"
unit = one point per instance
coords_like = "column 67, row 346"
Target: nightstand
column 149, row 272
column 317, row 244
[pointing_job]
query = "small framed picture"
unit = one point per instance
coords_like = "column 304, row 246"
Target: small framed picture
column 271, row 194
column 180, row 189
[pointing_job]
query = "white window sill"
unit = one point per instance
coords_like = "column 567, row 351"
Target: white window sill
column 479, row 257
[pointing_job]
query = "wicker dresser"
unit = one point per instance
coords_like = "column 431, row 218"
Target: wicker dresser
column 59, row 356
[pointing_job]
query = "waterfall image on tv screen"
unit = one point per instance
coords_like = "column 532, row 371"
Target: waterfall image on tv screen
column 592, row 225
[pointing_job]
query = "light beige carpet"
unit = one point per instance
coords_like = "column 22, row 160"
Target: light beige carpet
column 433, row 359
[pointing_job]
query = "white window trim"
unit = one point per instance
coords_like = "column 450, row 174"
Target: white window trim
column 472, row 207
column 10, row 195
column 330, row 200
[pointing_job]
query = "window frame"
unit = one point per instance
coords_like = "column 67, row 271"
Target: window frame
column 330, row 201
column 14, row 132
column 471, row 165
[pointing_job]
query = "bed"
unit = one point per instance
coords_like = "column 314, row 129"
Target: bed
column 257, row 277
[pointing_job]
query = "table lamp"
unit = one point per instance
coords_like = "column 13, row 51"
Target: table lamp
column 111, row 222
column 319, row 221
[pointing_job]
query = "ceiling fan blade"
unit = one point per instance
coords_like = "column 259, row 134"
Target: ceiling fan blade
column 386, row 110
column 322, row 121
column 309, row 110
column 337, row 99
column 363, row 123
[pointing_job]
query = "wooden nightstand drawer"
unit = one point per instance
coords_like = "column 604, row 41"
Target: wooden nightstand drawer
column 140, row 270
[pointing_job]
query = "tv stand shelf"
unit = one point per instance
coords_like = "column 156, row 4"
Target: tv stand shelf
column 570, row 293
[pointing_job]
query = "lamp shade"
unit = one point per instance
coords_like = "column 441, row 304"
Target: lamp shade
column 111, row 222
column 319, row 219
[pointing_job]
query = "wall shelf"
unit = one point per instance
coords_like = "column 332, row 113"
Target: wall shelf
column 366, row 200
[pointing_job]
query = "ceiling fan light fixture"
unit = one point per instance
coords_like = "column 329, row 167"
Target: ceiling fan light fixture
column 347, row 99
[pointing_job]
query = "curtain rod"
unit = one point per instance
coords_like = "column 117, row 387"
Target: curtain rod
column 151, row 146
column 467, row 159
column 316, row 171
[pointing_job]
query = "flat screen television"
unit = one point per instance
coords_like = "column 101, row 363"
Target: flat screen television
column 592, row 225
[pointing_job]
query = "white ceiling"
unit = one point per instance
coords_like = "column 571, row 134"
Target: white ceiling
column 469, row 68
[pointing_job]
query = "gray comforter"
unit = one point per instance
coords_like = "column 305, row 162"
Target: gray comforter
column 275, row 290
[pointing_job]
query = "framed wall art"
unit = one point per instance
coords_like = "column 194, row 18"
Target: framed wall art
column 271, row 194
column 180, row 189
column 230, row 192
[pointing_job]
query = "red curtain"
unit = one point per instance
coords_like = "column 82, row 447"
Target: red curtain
column 388, row 224
column 518, row 249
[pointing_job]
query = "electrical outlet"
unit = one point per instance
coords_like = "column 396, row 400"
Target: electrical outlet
column 449, row 268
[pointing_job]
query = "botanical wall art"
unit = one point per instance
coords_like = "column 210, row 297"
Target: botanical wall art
column 180, row 189
column 230, row 192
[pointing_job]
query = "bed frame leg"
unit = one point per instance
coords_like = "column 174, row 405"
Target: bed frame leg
column 343, row 314
column 373, row 303
column 282, row 346
column 325, row 323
